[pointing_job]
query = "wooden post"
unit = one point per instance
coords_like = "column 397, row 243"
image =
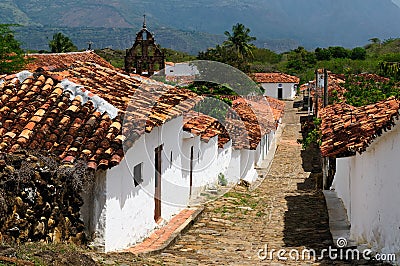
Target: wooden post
column 316, row 93
column 326, row 88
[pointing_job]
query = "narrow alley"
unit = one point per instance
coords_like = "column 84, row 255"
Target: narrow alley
column 285, row 211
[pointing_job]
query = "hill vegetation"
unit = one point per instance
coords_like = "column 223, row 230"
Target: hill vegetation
column 193, row 26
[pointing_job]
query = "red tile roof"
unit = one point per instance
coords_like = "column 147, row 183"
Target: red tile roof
column 47, row 112
column 274, row 78
column 206, row 127
column 249, row 119
column 347, row 130
column 253, row 119
column 63, row 60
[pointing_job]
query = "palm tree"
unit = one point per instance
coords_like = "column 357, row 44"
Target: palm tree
column 239, row 40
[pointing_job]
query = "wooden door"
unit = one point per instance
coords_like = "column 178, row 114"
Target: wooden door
column 157, row 193
column 191, row 171
column 280, row 93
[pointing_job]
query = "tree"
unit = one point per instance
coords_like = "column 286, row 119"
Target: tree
column 339, row 52
column 239, row 41
column 61, row 44
column 358, row 53
column 323, row 54
column 375, row 40
column 300, row 60
column 11, row 55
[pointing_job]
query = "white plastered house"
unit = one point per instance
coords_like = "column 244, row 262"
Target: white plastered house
column 277, row 85
column 365, row 142
column 147, row 166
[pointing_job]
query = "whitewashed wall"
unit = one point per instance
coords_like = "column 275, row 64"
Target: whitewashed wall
column 130, row 209
column 369, row 186
column 288, row 90
column 120, row 214
column 247, row 163
column 233, row 170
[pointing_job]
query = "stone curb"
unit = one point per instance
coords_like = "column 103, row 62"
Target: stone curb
column 177, row 233
column 338, row 222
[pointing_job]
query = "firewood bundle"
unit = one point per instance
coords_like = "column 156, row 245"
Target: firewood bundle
column 40, row 199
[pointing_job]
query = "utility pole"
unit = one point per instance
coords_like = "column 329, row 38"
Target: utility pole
column 316, row 92
column 326, row 88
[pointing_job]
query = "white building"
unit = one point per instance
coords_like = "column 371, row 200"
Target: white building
column 365, row 142
column 133, row 133
column 181, row 73
column 277, row 85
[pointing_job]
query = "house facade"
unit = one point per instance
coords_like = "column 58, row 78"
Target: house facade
column 148, row 156
column 364, row 141
column 277, row 85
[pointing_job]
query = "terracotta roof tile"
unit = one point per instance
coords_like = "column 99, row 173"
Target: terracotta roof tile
column 56, row 61
column 274, row 78
column 41, row 113
column 347, row 130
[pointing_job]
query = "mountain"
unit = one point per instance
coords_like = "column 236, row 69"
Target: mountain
column 277, row 24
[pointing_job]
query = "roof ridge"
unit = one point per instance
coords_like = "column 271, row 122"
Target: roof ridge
column 78, row 52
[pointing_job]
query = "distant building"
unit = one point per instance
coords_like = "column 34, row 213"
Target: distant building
column 145, row 57
column 277, row 85
column 181, row 73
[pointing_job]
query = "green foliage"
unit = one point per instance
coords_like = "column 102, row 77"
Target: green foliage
column 236, row 51
column 314, row 136
column 210, row 88
column 339, row 52
column 361, row 91
column 11, row 55
column 177, row 56
column 323, row 54
column 358, row 53
column 300, row 59
column 390, row 69
column 213, row 107
column 222, row 180
column 61, row 44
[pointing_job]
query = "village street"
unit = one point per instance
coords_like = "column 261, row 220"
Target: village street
column 285, row 211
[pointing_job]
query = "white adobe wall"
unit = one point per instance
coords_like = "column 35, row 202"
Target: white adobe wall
column 271, row 90
column 122, row 214
column 233, row 170
column 247, row 163
column 93, row 212
column 130, row 209
column 369, row 186
column 126, row 213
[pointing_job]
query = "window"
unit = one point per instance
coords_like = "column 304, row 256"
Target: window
column 280, row 85
column 137, row 174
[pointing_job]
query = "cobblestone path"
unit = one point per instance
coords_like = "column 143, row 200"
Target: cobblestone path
column 285, row 211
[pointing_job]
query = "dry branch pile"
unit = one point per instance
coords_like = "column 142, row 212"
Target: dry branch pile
column 40, row 198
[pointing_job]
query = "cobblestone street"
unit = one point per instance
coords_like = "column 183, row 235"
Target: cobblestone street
column 285, row 211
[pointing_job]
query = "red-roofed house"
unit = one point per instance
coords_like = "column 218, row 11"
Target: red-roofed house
column 277, row 85
column 149, row 159
column 365, row 142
